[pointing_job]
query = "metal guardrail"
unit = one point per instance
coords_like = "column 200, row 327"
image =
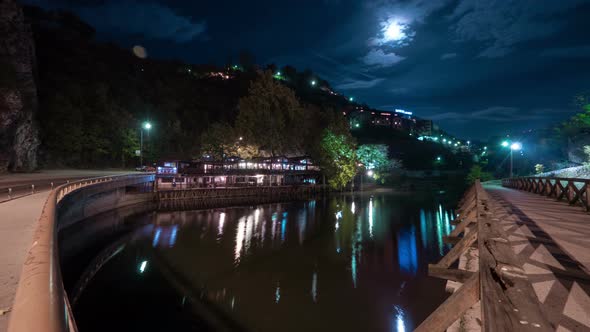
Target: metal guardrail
column 507, row 298
column 574, row 191
column 41, row 302
column 9, row 193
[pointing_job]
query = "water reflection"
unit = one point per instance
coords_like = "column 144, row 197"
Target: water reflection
column 372, row 251
column 399, row 319
column 314, row 287
column 441, row 220
column 164, row 236
column 407, row 251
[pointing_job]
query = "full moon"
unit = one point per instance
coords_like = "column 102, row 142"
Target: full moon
column 394, row 31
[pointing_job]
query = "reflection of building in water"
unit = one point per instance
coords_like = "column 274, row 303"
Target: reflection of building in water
column 251, row 229
column 406, row 250
column 399, row 319
column 314, row 287
column 165, row 236
column 433, row 226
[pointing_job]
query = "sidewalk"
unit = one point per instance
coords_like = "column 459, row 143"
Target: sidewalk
column 552, row 239
column 17, row 223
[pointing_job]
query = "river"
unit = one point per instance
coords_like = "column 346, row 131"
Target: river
column 342, row 263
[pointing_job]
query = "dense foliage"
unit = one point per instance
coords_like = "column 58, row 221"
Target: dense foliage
column 476, row 173
column 338, row 159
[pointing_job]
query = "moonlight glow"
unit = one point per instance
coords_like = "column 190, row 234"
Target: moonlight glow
column 394, row 31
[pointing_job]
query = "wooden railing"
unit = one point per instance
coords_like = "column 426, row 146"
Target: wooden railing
column 229, row 192
column 508, row 300
column 574, row 191
column 41, row 302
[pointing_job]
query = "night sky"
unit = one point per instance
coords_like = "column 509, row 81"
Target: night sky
column 476, row 67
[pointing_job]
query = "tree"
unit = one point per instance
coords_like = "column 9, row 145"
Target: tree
column 373, row 156
column 477, row 173
column 219, row 141
column 129, row 144
column 271, row 118
column 338, row 159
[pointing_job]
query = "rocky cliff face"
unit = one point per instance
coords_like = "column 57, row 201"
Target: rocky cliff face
column 18, row 93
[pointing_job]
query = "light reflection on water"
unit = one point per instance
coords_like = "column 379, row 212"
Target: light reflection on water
column 263, row 263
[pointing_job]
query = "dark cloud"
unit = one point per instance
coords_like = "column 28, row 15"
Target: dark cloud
column 150, row 20
column 359, row 84
column 568, row 52
column 447, row 56
column 502, row 24
column 379, row 58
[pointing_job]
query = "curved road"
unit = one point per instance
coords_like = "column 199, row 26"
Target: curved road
column 18, row 217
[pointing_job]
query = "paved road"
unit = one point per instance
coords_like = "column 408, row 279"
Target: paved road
column 20, row 183
column 553, row 241
column 18, row 219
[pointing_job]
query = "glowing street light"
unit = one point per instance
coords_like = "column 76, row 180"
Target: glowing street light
column 313, row 83
column 505, row 144
column 439, row 158
column 516, row 146
column 350, row 99
column 370, row 173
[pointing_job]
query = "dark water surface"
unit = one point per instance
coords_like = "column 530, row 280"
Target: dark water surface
column 344, row 263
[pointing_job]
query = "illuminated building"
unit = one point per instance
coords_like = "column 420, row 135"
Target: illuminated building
column 237, row 172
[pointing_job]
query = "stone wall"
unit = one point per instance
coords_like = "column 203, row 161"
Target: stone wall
column 18, row 93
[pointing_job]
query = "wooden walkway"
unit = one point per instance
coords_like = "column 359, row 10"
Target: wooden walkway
column 529, row 259
column 552, row 239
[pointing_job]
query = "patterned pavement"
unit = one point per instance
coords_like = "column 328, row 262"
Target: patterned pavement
column 552, row 239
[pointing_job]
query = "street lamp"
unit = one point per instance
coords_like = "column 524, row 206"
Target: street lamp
column 516, row 146
column 313, row 83
column 147, row 126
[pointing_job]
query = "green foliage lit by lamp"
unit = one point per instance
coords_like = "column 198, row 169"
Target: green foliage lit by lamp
column 539, row 168
column 477, row 173
column 338, row 159
column 375, row 157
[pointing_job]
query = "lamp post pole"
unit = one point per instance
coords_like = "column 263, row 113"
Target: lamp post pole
column 141, row 147
column 146, row 126
column 512, row 146
column 510, row 162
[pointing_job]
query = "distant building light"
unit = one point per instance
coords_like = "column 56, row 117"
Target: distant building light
column 386, row 114
column 403, row 112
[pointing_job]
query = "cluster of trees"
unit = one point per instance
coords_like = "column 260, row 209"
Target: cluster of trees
column 271, row 121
